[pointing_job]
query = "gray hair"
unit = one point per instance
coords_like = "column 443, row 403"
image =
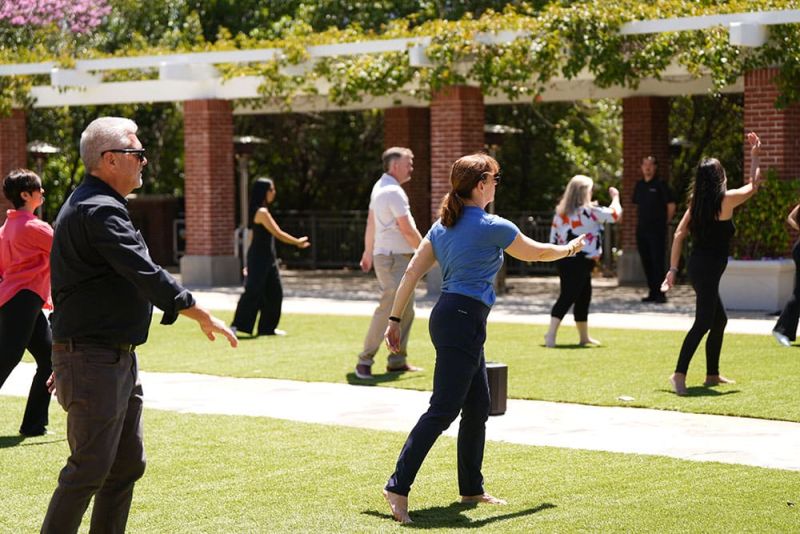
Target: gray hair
column 105, row 133
column 577, row 195
column 391, row 154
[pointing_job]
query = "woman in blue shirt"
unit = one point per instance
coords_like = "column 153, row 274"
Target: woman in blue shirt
column 468, row 243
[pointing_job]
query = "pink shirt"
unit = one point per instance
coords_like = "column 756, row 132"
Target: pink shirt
column 25, row 243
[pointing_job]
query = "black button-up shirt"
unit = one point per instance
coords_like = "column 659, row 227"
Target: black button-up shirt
column 104, row 283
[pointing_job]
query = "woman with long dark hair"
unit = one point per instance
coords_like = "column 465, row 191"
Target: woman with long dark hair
column 25, row 243
column 468, row 243
column 263, row 292
column 709, row 221
column 785, row 330
column 577, row 214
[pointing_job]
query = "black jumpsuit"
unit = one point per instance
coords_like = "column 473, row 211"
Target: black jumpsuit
column 706, row 264
column 262, row 291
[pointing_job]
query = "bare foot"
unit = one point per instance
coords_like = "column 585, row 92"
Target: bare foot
column 715, row 380
column 549, row 341
column 678, row 381
column 399, row 506
column 590, row 341
column 485, row 498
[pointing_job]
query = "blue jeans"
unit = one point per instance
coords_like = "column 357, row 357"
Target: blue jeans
column 458, row 331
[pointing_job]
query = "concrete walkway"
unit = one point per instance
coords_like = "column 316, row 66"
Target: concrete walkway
column 737, row 440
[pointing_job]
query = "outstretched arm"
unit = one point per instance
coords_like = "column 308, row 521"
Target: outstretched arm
column 791, row 220
column 526, row 249
column 737, row 197
column 264, row 218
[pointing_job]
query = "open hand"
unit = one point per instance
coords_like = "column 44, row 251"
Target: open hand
column 303, row 242
column 755, row 144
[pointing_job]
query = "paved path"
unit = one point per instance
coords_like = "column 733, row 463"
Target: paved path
column 696, row 437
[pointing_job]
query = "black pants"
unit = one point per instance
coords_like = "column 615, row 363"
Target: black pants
column 263, row 293
column 99, row 388
column 458, row 331
column 575, row 275
column 650, row 243
column 709, row 317
column 787, row 322
column 24, row 326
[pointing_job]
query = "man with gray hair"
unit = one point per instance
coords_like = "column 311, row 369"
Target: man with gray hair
column 390, row 239
column 104, row 285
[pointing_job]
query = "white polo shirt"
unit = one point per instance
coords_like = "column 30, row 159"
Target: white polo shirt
column 389, row 201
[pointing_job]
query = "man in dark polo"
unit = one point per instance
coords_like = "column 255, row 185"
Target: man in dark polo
column 104, row 286
column 655, row 208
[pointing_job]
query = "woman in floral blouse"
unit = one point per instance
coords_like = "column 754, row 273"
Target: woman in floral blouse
column 576, row 214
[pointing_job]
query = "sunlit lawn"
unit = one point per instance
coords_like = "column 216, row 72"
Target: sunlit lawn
column 224, row 474
column 632, row 363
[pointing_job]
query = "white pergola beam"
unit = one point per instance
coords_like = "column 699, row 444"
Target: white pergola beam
column 709, row 21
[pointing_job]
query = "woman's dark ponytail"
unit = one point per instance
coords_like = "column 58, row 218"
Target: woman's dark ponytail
column 465, row 174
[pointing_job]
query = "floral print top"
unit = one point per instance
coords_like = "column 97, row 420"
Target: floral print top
column 587, row 220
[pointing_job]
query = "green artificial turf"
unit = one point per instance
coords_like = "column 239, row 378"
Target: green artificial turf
column 631, row 363
column 221, row 474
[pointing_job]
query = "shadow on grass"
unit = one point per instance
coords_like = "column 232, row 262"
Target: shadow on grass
column 574, row 346
column 452, row 516
column 13, row 441
column 353, row 380
column 704, row 391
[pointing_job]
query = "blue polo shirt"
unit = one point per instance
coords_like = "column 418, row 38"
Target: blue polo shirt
column 471, row 252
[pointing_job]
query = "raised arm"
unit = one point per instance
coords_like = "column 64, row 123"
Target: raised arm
column 369, row 243
column 421, row 263
column 736, row 197
column 677, row 247
column 526, row 249
column 264, row 218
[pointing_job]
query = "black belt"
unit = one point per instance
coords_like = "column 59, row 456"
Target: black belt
column 70, row 345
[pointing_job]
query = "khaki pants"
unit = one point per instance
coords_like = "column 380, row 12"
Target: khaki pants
column 100, row 390
column 389, row 270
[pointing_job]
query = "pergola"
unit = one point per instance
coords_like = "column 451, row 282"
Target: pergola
column 440, row 130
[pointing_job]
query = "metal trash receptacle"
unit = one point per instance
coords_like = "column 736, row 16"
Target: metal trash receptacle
column 498, row 387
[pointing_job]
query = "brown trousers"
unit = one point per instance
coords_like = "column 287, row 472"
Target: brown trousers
column 99, row 388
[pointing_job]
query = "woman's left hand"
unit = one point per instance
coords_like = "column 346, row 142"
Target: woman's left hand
column 303, row 242
column 613, row 191
column 755, row 144
column 392, row 337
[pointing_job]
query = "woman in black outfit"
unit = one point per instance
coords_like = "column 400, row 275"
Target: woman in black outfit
column 709, row 221
column 785, row 330
column 263, row 291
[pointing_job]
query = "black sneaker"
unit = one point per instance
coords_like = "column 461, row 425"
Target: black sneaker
column 364, row 371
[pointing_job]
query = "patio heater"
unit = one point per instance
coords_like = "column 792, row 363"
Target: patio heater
column 244, row 146
column 40, row 151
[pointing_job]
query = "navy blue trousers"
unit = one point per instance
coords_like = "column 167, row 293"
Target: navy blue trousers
column 458, row 330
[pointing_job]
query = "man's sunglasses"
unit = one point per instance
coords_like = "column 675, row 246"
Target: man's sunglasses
column 138, row 152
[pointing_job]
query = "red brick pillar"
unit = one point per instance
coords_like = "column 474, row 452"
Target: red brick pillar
column 645, row 132
column 411, row 128
column 209, row 190
column 457, row 119
column 13, row 150
column 779, row 129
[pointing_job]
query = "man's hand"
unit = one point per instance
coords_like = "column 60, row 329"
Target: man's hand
column 210, row 325
column 51, row 383
column 366, row 262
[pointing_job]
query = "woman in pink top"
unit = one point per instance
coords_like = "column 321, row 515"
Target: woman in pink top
column 25, row 243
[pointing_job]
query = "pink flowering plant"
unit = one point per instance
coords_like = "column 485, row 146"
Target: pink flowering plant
column 76, row 16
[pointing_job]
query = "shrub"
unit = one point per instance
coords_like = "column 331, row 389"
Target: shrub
column 761, row 230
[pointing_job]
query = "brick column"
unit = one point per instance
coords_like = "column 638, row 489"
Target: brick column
column 209, row 193
column 411, row 128
column 645, row 132
column 457, row 119
column 13, row 150
column 779, row 129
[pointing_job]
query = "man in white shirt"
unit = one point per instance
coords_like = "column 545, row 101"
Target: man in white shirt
column 390, row 240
